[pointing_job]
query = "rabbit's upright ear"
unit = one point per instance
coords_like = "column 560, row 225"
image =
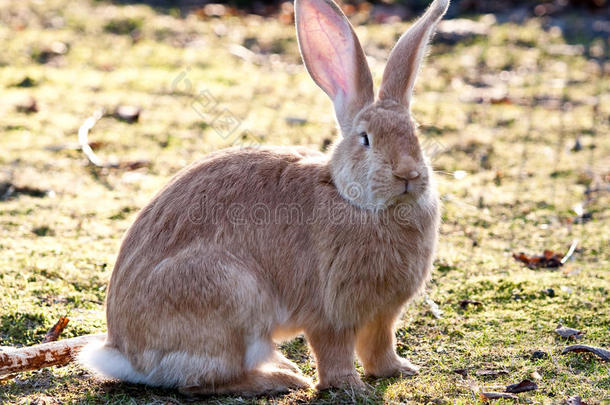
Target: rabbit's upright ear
column 334, row 58
column 402, row 67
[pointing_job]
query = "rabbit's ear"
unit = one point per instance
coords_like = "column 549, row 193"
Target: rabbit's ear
column 334, row 58
column 402, row 67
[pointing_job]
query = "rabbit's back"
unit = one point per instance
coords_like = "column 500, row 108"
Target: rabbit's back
column 214, row 200
column 252, row 204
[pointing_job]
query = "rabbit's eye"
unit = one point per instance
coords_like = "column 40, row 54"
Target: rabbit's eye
column 364, row 139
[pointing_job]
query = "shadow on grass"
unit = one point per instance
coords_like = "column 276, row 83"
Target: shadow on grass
column 116, row 392
column 83, row 388
column 22, row 328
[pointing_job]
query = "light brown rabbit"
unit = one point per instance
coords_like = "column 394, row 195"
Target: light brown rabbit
column 249, row 247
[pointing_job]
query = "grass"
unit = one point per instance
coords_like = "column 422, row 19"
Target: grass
column 510, row 173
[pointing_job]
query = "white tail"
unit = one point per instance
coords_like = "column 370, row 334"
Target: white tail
column 107, row 362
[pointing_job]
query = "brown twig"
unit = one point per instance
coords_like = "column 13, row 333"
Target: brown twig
column 83, row 141
column 53, row 333
column 57, row 353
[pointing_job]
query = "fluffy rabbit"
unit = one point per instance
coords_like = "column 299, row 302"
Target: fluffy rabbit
column 252, row 246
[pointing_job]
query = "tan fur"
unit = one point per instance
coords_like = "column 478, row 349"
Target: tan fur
column 251, row 246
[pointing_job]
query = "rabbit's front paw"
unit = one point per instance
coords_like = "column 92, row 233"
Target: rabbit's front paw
column 405, row 368
column 349, row 381
column 399, row 367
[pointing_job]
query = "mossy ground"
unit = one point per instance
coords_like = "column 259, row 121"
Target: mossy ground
column 522, row 181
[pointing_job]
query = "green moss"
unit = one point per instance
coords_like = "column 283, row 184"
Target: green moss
column 523, row 180
column 123, row 26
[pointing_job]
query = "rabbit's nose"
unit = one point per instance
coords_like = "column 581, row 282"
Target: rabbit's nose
column 406, row 174
column 407, row 177
column 405, row 168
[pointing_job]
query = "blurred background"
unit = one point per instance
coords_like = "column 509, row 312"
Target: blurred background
column 101, row 102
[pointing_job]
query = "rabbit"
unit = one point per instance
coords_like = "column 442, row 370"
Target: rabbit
column 250, row 247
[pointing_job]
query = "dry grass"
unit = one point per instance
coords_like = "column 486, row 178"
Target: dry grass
column 522, row 179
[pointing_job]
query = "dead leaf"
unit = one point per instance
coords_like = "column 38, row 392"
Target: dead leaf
column 28, row 107
column 460, row 29
column 59, row 48
column 214, row 10
column 286, row 15
column 127, row 113
column 295, row 121
column 523, row 386
column 490, row 372
column 602, row 353
column 10, row 190
column 325, row 144
column 486, row 396
column 577, row 145
column 498, row 178
column 487, row 95
column 500, row 100
column 538, row 354
column 133, row 164
column 26, row 82
column 461, row 371
column 97, row 144
column 548, row 259
column 44, row 400
column 568, row 332
column 56, row 330
column 584, row 218
column 464, row 303
column 575, row 400
column 51, row 54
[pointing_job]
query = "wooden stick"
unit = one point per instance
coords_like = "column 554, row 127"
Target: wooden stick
column 83, row 141
column 56, row 353
column 83, row 134
column 602, row 353
column 53, row 333
column 570, row 252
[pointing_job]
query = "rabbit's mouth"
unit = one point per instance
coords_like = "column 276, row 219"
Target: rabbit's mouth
column 412, row 191
column 405, row 197
column 412, row 188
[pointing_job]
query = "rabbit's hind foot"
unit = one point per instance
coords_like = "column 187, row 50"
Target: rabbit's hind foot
column 278, row 360
column 263, row 381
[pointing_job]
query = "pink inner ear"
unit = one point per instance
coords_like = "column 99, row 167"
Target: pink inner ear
column 327, row 46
